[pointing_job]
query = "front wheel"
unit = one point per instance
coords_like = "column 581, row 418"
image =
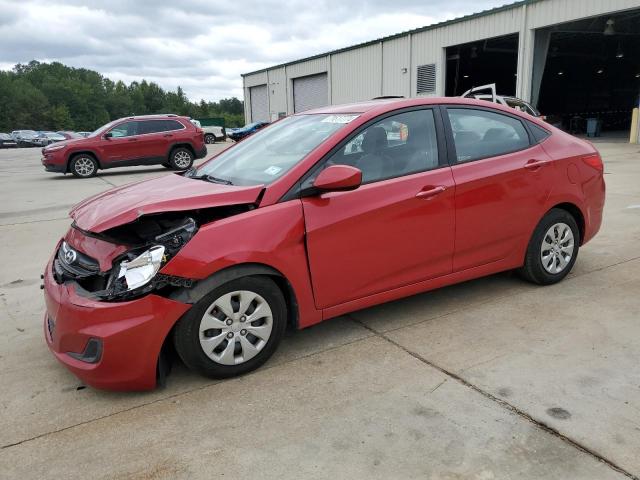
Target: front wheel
column 209, row 138
column 181, row 159
column 234, row 329
column 553, row 248
column 83, row 166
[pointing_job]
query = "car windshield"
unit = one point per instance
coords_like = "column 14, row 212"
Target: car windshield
column 269, row 153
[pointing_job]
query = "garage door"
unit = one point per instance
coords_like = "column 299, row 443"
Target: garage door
column 259, row 103
column 310, row 92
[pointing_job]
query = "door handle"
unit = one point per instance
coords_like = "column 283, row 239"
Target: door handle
column 167, row 135
column 431, row 192
column 535, row 164
column 133, row 139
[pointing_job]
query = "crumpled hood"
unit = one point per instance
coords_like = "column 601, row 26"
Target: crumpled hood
column 170, row 193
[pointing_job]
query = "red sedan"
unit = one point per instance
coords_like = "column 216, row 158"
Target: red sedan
column 319, row 214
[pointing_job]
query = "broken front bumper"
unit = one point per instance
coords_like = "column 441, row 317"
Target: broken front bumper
column 108, row 345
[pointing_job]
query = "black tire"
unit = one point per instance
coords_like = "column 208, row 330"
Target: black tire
column 167, row 165
column 181, row 158
column 187, row 331
column 83, row 165
column 209, row 138
column 533, row 269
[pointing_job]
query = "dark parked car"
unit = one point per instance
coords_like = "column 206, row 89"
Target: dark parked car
column 47, row 138
column 6, row 141
column 240, row 133
column 70, row 135
column 24, row 138
column 167, row 140
column 295, row 225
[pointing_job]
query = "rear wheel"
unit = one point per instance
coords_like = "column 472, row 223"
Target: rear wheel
column 209, row 138
column 83, row 166
column 553, row 248
column 234, row 329
column 181, row 158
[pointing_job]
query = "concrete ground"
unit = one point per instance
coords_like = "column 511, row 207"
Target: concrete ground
column 490, row 379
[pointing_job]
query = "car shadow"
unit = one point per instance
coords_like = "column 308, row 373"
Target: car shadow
column 110, row 173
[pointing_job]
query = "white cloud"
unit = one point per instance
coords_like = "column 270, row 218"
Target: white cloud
column 200, row 45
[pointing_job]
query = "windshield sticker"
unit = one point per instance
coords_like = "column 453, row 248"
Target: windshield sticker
column 339, row 118
column 273, row 170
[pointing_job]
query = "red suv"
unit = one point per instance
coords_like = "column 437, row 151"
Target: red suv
column 317, row 215
column 167, row 140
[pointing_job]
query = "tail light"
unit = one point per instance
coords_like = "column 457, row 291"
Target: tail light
column 594, row 161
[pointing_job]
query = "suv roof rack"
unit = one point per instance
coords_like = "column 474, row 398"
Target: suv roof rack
column 384, row 97
column 153, row 115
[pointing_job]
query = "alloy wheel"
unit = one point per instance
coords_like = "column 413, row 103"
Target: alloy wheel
column 557, row 248
column 235, row 327
column 182, row 159
column 84, row 166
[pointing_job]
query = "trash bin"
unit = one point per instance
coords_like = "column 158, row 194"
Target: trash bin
column 593, row 127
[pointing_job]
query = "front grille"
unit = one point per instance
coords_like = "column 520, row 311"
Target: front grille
column 72, row 264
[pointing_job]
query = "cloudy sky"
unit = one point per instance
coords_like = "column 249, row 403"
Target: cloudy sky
column 202, row 45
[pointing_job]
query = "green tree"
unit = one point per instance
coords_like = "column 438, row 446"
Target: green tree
column 53, row 96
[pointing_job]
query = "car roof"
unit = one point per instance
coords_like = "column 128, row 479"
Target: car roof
column 389, row 104
column 156, row 116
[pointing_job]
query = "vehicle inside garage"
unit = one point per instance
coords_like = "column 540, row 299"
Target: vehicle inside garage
column 590, row 73
column 493, row 60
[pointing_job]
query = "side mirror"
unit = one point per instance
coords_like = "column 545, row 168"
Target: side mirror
column 108, row 135
column 337, row 178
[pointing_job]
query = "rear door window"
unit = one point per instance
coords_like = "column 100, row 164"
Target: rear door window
column 481, row 134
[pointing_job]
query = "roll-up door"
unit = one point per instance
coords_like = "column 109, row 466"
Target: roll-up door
column 310, row 92
column 259, row 103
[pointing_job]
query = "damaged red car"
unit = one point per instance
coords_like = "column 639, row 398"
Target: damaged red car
column 317, row 215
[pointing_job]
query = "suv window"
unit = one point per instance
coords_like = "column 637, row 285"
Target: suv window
column 126, row 129
column 480, row 134
column 398, row 145
column 157, row 126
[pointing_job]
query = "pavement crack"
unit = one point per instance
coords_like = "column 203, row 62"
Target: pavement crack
column 502, row 403
column 438, row 386
column 107, row 182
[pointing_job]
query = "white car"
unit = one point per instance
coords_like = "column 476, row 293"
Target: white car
column 212, row 133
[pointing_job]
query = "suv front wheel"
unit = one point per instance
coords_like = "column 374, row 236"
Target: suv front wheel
column 181, row 158
column 83, row 166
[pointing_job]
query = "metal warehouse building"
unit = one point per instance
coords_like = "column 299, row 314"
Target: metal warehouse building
column 572, row 59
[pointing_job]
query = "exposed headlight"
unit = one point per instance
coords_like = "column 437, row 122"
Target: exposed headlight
column 141, row 270
column 54, row 148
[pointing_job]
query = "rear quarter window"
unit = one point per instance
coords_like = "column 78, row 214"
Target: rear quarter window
column 539, row 133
